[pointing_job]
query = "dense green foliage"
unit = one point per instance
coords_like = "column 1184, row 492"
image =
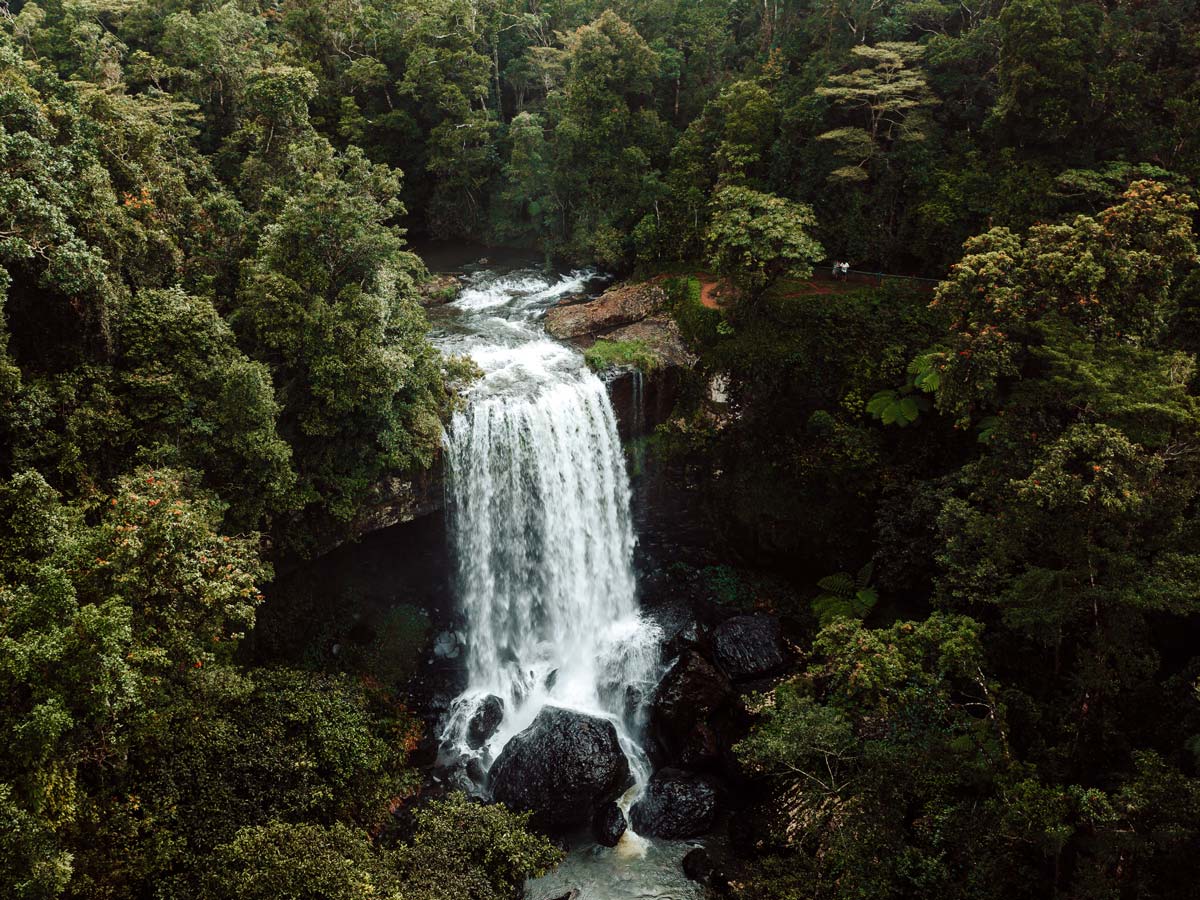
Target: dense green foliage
column 142, row 762
column 248, row 312
column 211, row 350
column 601, row 130
column 457, row 849
column 209, row 337
column 1015, row 454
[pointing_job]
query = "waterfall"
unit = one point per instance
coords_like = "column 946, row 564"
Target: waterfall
column 540, row 525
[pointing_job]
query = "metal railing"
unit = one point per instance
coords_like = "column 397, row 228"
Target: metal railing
column 863, row 276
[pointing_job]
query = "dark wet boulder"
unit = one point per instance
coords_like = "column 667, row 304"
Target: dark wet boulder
column 749, row 647
column 563, row 768
column 681, row 630
column 608, row 825
column 485, row 720
column 466, row 774
column 698, row 866
column 676, row 805
column 691, row 694
column 458, row 779
column 476, row 772
column 688, row 637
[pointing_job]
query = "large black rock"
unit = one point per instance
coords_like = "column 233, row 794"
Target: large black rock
column 681, row 630
column 698, row 866
column 675, row 805
column 563, row 768
column 683, row 712
column 749, row 646
column 484, row 722
column 608, row 825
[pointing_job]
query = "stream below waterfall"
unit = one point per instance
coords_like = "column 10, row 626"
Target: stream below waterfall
column 542, row 541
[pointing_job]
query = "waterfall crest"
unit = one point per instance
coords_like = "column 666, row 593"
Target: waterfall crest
column 540, row 525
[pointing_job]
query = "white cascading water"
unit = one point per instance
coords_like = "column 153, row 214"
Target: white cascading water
column 540, row 524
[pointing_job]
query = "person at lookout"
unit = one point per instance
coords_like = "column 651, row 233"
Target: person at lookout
column 837, row 269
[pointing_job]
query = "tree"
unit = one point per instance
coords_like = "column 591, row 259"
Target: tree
column 460, row 848
column 286, row 861
column 95, row 622
column 607, row 138
column 1109, row 276
column 214, row 53
column 192, row 398
column 885, row 746
column 749, row 123
column 730, row 144
column 754, row 238
column 448, row 75
column 66, row 672
column 55, row 197
column 225, row 753
column 192, row 591
column 1046, row 49
column 457, row 848
column 1074, row 529
column 887, row 95
column 527, row 209
column 328, row 303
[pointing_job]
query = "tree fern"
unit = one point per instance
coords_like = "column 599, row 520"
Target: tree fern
column 845, row 596
column 900, row 408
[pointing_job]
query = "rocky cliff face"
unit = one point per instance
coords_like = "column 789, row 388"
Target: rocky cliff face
column 631, row 313
column 401, row 498
column 659, row 334
column 394, row 500
column 619, row 306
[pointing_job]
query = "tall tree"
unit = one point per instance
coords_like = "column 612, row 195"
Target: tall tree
column 888, row 95
column 754, row 238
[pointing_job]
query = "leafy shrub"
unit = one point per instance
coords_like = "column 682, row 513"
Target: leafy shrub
column 699, row 325
column 463, row 849
column 617, row 354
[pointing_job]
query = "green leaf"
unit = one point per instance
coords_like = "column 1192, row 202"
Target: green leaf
column 840, row 584
column 880, row 402
column 866, row 599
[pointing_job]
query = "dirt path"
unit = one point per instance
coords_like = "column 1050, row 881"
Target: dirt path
column 713, row 290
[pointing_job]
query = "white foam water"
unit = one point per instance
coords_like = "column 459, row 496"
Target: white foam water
column 540, row 524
